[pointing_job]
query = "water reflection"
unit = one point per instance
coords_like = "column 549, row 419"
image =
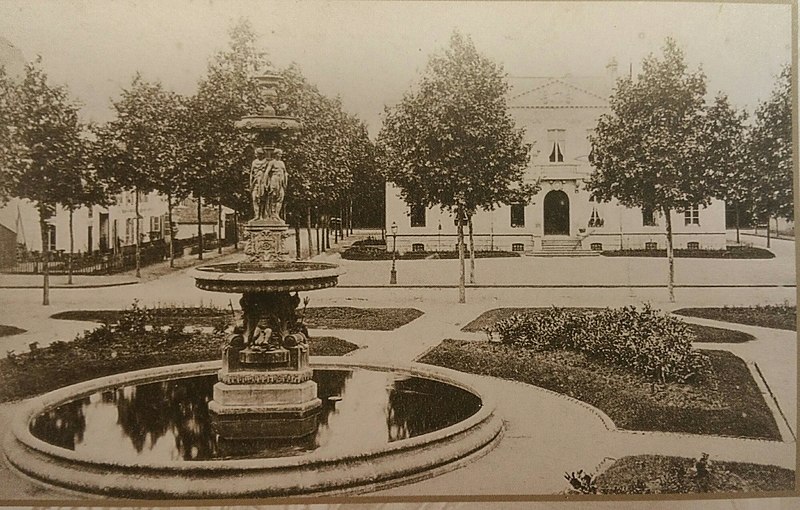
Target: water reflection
column 170, row 420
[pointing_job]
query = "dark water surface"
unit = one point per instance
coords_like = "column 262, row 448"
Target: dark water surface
column 169, row 421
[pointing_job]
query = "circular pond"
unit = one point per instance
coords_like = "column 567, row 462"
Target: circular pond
column 149, row 434
column 169, row 420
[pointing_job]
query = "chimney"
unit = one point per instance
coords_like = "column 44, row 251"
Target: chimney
column 611, row 69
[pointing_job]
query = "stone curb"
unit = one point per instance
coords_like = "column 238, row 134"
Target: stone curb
column 396, row 463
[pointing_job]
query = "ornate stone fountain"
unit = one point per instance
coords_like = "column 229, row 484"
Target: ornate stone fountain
column 258, row 431
column 265, row 387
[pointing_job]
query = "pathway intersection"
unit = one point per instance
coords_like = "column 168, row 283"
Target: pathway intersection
column 545, row 433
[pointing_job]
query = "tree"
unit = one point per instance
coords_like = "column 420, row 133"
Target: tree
column 653, row 150
column 82, row 188
column 42, row 150
column 727, row 135
column 452, row 143
column 219, row 153
column 171, row 174
column 9, row 149
column 770, row 147
column 132, row 148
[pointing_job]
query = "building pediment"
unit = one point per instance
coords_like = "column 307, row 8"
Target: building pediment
column 552, row 93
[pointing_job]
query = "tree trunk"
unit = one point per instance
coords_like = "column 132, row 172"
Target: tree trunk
column 71, row 247
column 317, row 225
column 235, row 230
column 328, row 231
column 768, row 235
column 297, row 250
column 670, row 256
column 737, row 223
column 138, row 236
column 199, row 228
column 471, row 252
column 171, row 231
column 308, row 231
column 45, row 258
column 219, row 229
column 462, row 295
column 350, row 216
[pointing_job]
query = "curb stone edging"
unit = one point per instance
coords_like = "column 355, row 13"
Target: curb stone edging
column 348, row 472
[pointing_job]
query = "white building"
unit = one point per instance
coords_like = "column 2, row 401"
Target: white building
column 558, row 114
column 107, row 229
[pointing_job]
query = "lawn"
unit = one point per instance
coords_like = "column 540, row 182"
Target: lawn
column 10, row 330
column 766, row 316
column 656, row 474
column 703, row 333
column 101, row 353
column 324, row 317
column 727, row 403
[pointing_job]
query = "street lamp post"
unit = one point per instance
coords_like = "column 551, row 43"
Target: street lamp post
column 393, row 274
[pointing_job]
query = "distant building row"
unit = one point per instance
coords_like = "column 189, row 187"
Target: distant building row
column 558, row 114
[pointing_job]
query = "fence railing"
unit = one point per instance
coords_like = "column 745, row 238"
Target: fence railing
column 109, row 262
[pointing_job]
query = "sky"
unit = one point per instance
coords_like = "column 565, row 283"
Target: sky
column 370, row 53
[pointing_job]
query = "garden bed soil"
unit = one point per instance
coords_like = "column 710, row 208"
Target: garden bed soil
column 765, row 316
column 325, row 317
column 728, row 403
column 657, row 474
column 741, row 252
column 363, row 253
column 707, row 334
column 65, row 363
column 10, row 330
column 703, row 333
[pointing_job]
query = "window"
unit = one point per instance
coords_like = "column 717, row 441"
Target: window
column 555, row 139
column 691, row 216
column 417, row 247
column 518, row 247
column 597, row 246
column 595, row 221
column 693, row 245
column 651, row 246
column 155, row 224
column 417, row 215
column 51, row 237
column 517, row 215
column 649, row 218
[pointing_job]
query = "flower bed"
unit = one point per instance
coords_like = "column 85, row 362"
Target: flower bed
column 766, row 316
column 324, row 317
column 739, row 252
column 129, row 345
column 10, row 330
column 646, row 341
column 657, row 474
column 727, row 402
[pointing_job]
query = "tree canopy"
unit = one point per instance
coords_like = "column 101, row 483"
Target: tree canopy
column 660, row 147
column 770, row 147
column 451, row 142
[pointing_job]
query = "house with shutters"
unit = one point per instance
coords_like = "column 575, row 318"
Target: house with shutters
column 558, row 114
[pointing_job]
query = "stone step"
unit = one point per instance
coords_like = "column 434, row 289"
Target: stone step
column 562, row 253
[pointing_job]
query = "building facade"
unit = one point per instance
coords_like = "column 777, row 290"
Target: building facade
column 558, row 115
column 105, row 229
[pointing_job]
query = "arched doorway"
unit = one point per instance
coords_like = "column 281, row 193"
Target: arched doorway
column 556, row 214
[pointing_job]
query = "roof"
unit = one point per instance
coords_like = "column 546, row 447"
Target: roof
column 565, row 91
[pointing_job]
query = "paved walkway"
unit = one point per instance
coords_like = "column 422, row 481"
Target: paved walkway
column 546, row 434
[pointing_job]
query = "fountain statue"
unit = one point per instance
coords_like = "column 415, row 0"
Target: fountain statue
column 265, row 387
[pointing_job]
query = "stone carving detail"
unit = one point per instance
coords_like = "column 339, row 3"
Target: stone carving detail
column 251, row 377
column 266, row 246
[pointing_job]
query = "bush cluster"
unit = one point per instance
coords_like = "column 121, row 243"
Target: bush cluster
column 645, row 341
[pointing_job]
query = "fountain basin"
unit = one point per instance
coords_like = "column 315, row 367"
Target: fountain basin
column 341, row 468
column 268, row 122
column 266, row 276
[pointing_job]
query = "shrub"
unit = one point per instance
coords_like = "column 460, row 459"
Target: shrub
column 646, row 341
